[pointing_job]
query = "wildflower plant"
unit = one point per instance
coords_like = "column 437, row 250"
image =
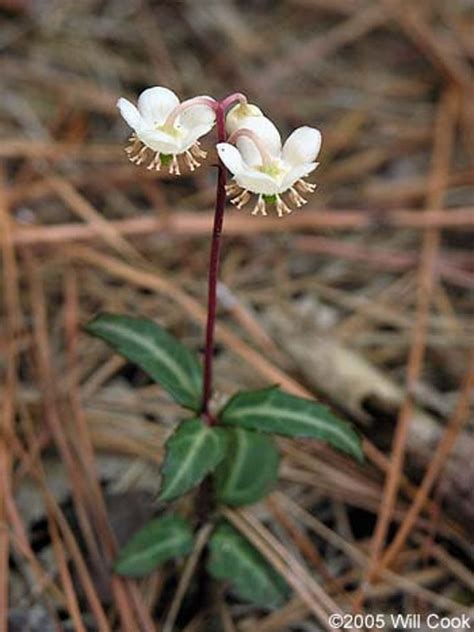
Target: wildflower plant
column 229, row 455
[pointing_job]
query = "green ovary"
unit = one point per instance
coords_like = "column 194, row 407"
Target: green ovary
column 166, row 159
column 170, row 130
column 273, row 170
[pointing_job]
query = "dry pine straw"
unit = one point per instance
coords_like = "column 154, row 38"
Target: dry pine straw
column 396, row 245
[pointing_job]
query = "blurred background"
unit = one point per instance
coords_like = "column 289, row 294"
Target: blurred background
column 362, row 299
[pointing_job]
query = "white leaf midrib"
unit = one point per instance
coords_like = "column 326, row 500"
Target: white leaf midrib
column 182, row 472
column 154, row 350
column 245, row 557
column 155, row 549
column 311, row 421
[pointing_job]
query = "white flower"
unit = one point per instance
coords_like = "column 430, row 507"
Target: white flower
column 164, row 128
column 238, row 116
column 260, row 165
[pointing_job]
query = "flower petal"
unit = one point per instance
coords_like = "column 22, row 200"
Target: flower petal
column 267, row 132
column 231, row 157
column 154, row 104
column 257, row 182
column 129, row 112
column 302, row 145
column 192, row 135
column 237, row 116
column 196, row 115
column 300, row 171
column 248, row 178
column 158, row 141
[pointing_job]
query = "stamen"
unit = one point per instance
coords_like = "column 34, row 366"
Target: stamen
column 242, row 199
column 232, row 188
column 260, row 207
column 135, row 145
column 139, row 158
column 191, row 162
column 281, row 207
column 305, row 187
column 155, row 164
column 296, row 198
column 174, row 169
column 197, row 152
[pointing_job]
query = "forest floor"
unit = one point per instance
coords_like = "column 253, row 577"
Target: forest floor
column 363, row 299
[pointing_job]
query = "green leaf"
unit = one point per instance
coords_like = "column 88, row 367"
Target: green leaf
column 164, row 358
column 159, row 541
column 249, row 469
column 251, row 577
column 192, row 451
column 273, row 410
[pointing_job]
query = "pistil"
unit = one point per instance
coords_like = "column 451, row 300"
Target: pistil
column 267, row 158
column 185, row 105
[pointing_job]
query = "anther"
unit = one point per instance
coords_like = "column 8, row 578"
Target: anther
column 134, row 146
column 197, row 152
column 260, row 207
column 174, row 169
column 232, row 188
column 139, row 158
column 191, row 162
column 305, row 187
column 155, row 164
column 296, row 198
column 242, row 199
column 281, row 207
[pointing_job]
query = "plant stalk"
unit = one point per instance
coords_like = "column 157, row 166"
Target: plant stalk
column 214, row 272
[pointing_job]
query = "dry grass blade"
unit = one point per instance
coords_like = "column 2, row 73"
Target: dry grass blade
column 306, row 547
column 8, row 405
column 186, row 224
column 56, row 519
column 315, row 598
column 422, row 36
column 458, row 419
column 444, row 131
column 398, row 582
column 45, row 583
column 71, row 598
column 84, row 447
column 52, row 416
column 190, row 567
column 342, row 34
column 88, row 213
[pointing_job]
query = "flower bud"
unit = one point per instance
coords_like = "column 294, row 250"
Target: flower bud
column 239, row 114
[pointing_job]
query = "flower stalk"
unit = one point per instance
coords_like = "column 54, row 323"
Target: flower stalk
column 214, row 273
column 214, row 260
column 167, row 131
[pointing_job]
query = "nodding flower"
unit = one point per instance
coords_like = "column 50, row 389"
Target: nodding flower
column 164, row 129
column 261, row 166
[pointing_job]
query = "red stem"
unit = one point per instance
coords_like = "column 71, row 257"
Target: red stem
column 214, row 271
